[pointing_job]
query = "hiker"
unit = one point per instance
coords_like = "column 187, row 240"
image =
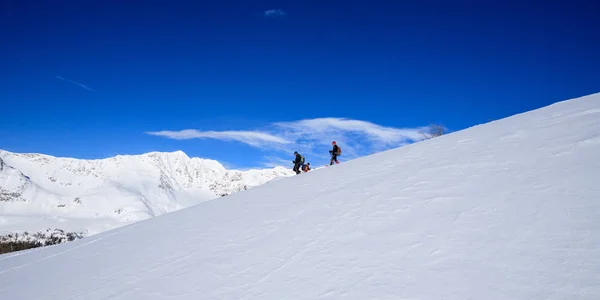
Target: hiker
column 299, row 161
column 306, row 167
column 335, row 152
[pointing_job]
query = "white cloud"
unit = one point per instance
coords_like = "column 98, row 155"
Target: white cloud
column 274, row 13
column 252, row 138
column 335, row 126
column 312, row 138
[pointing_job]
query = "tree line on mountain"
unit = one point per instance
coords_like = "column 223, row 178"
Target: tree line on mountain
column 18, row 242
column 434, row 130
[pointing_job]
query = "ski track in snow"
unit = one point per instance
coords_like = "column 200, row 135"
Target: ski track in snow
column 505, row 210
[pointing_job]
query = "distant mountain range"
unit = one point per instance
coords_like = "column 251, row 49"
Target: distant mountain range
column 53, row 195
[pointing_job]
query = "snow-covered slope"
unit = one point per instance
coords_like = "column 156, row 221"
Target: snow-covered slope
column 38, row 191
column 505, row 210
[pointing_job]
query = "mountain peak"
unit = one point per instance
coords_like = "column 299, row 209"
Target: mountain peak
column 176, row 153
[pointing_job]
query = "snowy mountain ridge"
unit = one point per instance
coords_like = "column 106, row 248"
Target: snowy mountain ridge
column 39, row 191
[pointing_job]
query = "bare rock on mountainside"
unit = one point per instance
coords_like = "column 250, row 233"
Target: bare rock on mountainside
column 12, row 183
column 39, row 191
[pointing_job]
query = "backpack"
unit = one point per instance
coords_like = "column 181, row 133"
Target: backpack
column 339, row 150
column 301, row 159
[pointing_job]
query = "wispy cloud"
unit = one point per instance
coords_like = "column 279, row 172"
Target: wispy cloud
column 357, row 138
column 252, row 138
column 337, row 126
column 274, row 13
column 74, row 82
column 312, row 138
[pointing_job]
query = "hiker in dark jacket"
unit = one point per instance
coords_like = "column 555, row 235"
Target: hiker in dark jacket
column 297, row 162
column 334, row 153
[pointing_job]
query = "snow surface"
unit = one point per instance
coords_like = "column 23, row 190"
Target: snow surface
column 504, row 210
column 39, row 191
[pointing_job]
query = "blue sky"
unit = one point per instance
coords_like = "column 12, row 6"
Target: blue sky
column 252, row 81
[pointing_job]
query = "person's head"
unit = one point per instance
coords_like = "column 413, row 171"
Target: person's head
column 295, row 152
column 333, row 143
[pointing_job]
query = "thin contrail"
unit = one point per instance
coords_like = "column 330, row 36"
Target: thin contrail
column 74, row 82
